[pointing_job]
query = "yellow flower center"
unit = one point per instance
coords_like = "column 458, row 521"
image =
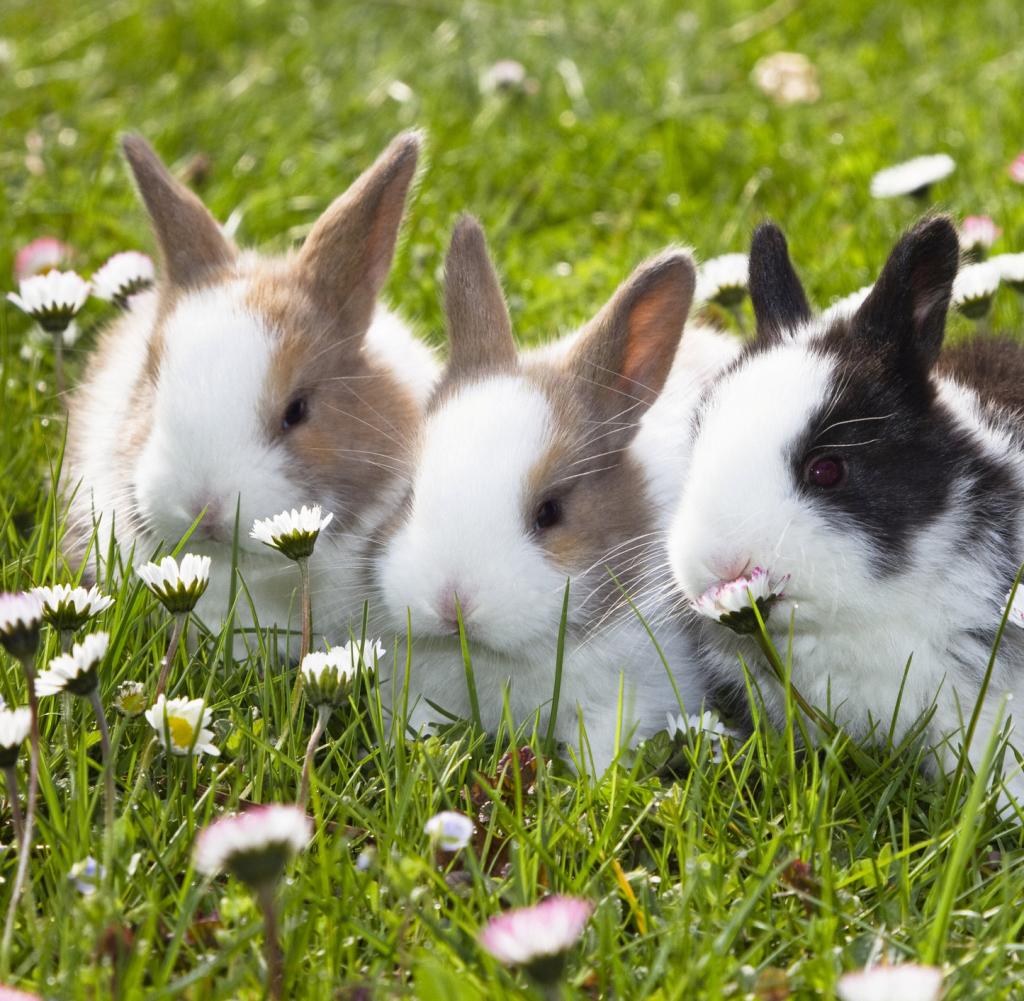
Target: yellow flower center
column 181, row 731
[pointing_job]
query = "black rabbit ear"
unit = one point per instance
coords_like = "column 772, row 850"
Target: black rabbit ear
column 775, row 290
column 905, row 314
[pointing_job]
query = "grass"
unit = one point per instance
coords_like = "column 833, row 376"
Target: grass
column 767, row 872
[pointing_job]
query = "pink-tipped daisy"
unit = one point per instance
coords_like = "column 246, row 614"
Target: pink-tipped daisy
column 537, row 938
column 46, row 253
column 254, row 846
column 1016, row 169
column 728, row 602
column 76, row 672
column 13, row 994
column 902, row 982
column 977, row 234
column 449, row 830
column 124, row 275
column 14, row 728
column 21, row 615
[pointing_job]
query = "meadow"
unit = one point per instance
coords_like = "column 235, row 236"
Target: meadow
column 752, row 870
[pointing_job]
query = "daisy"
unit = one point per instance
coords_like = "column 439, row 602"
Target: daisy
column 707, row 724
column 449, row 830
column 13, row 994
column 1011, row 269
column 21, row 615
column 75, row 672
column 293, row 533
column 903, row 982
column 723, row 280
column 729, row 602
column 974, row 287
column 68, row 608
column 977, row 234
column 255, row 845
column 504, row 75
column 328, row 676
column 1017, row 169
column 182, row 725
column 14, row 728
column 537, row 938
column 52, row 299
column 123, row 276
column 46, row 253
column 849, row 304
column 914, row 177
column 1016, row 616
column 130, row 700
column 178, row 586
column 787, row 78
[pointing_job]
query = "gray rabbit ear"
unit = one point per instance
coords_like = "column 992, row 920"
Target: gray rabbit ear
column 625, row 353
column 775, row 291
column 193, row 249
column 479, row 327
column 347, row 255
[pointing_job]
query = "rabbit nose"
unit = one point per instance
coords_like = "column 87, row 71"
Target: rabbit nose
column 726, row 567
column 449, row 603
column 211, row 525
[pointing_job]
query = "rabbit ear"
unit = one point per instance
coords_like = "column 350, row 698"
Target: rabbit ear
column 347, row 255
column 625, row 353
column 905, row 313
column 193, row 248
column 775, row 290
column 479, row 327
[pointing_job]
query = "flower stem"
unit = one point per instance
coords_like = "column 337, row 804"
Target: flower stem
column 11, row 778
column 66, row 709
column 108, row 782
column 271, row 945
column 172, row 649
column 30, row 815
column 322, row 716
column 58, row 362
column 307, row 609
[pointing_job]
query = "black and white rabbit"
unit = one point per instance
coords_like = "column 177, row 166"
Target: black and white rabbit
column 266, row 382
column 535, row 468
column 884, row 476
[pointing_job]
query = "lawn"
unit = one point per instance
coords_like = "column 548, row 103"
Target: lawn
column 765, row 874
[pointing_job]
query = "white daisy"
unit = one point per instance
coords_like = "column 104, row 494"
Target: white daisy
column 123, row 276
column 130, row 700
column 255, row 845
column 182, row 725
column 504, row 75
column 977, row 234
column 848, row 305
column 1016, row 616
column 1011, row 269
column 974, row 287
column 729, row 601
column 21, row 615
column 41, row 255
column 535, row 937
column 449, row 830
column 723, row 280
column 14, row 727
column 706, row 723
column 788, row 78
column 903, row 982
column 914, row 177
column 52, row 299
column 293, row 533
column 69, row 608
column 178, row 585
column 75, row 672
column 328, row 676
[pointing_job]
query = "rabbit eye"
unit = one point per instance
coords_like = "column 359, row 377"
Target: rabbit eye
column 295, row 413
column 549, row 513
column 825, row 471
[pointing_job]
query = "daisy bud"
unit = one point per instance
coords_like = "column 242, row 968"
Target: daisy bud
column 723, row 280
column 41, row 255
column 974, row 287
column 51, row 299
column 178, row 586
column 182, row 726
column 123, row 276
column 130, row 700
column 729, row 602
column 21, row 615
column 902, row 982
column 293, row 533
column 14, row 727
column 328, row 677
column 787, row 78
column 76, row 672
column 254, row 846
column 537, row 938
column 913, row 177
column 977, row 234
column 68, row 608
column 449, row 830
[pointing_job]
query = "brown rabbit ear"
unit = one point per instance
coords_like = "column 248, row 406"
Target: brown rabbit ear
column 347, row 254
column 625, row 353
column 192, row 247
column 479, row 327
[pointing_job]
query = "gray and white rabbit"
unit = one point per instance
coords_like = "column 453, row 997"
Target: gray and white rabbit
column 537, row 468
column 256, row 381
column 884, row 476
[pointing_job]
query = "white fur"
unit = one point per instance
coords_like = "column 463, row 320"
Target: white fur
column 854, row 631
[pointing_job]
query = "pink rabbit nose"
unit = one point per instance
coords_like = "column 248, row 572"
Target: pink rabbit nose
column 725, row 567
column 448, row 604
column 212, row 524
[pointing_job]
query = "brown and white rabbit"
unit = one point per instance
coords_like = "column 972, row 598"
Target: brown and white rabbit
column 884, row 475
column 262, row 382
column 537, row 468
